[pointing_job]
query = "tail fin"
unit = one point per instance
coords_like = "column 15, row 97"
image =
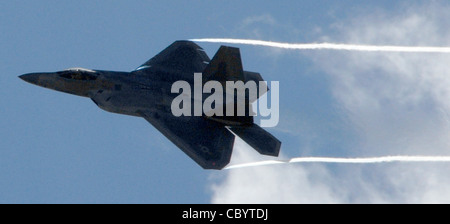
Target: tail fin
column 226, row 65
column 261, row 140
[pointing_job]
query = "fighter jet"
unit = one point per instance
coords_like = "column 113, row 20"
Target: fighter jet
column 146, row 92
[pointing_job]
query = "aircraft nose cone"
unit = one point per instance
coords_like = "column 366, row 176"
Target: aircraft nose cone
column 31, row 78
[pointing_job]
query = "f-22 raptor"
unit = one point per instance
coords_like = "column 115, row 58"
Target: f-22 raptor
column 146, row 92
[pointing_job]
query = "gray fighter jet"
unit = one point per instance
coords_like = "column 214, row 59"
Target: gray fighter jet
column 146, row 92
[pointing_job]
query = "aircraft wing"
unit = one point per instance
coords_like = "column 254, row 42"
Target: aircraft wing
column 183, row 56
column 207, row 142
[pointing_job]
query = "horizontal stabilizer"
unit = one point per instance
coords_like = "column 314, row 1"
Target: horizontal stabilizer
column 261, row 140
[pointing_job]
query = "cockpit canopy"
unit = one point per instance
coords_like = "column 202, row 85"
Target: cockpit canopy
column 78, row 74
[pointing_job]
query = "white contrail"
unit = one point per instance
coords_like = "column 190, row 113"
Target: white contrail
column 382, row 159
column 329, row 46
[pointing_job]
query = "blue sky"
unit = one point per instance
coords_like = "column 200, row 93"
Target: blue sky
column 59, row 148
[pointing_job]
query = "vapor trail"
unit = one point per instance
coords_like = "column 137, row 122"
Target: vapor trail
column 382, row 159
column 329, row 46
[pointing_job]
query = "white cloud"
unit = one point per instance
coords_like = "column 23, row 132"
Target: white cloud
column 270, row 184
column 398, row 102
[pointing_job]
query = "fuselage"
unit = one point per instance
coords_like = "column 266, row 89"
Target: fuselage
column 128, row 93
